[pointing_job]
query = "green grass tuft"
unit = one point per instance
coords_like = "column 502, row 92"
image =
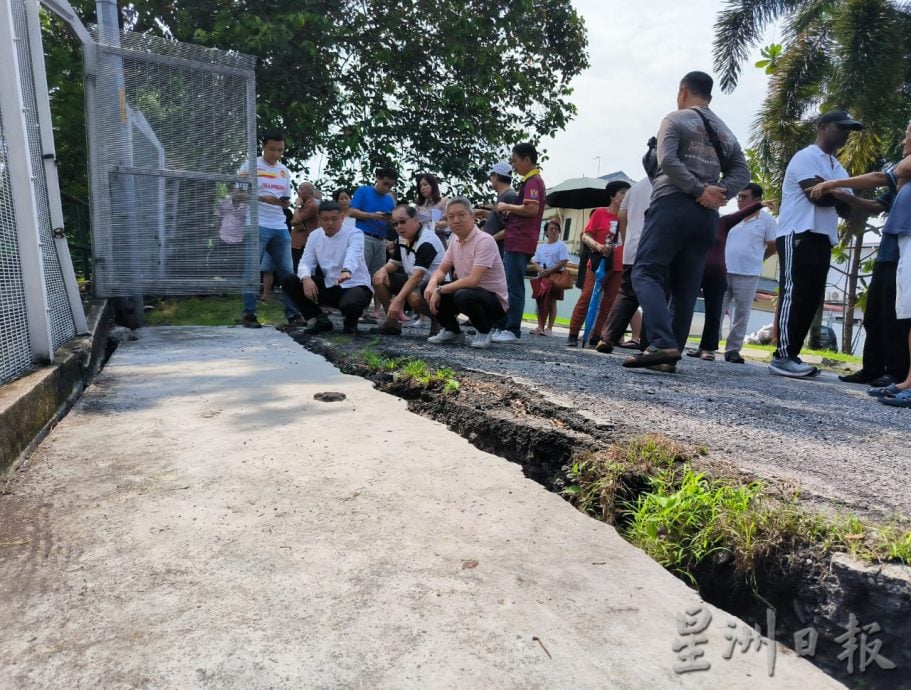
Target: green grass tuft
column 681, row 517
column 214, row 310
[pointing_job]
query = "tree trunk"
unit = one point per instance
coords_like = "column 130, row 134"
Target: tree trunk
column 856, row 231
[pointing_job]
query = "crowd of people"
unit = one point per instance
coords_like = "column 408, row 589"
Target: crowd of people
column 651, row 249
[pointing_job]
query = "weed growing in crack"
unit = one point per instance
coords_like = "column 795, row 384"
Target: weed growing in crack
column 415, row 369
column 604, row 480
column 681, row 517
column 423, row 374
column 681, row 521
column 375, row 360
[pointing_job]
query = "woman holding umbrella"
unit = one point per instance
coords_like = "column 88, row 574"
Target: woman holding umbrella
column 601, row 237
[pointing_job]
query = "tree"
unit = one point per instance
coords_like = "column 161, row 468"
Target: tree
column 849, row 54
column 444, row 86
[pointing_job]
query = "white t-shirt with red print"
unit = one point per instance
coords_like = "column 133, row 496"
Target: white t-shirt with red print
column 273, row 180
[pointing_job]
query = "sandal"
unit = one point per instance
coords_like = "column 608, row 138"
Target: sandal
column 653, row 356
column 900, row 399
column 882, row 392
column 630, row 344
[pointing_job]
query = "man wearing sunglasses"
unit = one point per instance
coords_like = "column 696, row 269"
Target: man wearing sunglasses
column 417, row 253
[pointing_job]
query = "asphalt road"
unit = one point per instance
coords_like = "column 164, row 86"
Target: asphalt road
column 841, row 447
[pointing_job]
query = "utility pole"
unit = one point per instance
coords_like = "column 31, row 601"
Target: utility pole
column 598, row 158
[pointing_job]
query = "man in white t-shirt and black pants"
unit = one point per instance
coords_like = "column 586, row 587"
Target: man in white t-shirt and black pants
column 807, row 231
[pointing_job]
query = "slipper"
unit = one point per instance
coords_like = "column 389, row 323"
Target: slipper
column 630, row 344
column 883, row 391
column 900, row 399
column 653, row 356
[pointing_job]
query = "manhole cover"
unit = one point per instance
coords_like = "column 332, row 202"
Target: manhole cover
column 329, row 396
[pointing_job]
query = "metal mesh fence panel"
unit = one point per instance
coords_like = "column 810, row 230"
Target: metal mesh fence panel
column 15, row 352
column 61, row 316
column 175, row 124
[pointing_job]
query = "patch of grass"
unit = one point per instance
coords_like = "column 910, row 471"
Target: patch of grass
column 214, row 310
column 826, row 354
column 681, row 517
column 424, row 374
column 560, row 321
column 602, row 479
column 416, row 369
column 682, row 521
column 375, row 360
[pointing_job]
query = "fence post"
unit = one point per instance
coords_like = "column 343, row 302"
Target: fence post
column 22, row 184
column 49, row 156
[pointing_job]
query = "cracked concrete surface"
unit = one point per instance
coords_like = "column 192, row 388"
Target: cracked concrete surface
column 199, row 519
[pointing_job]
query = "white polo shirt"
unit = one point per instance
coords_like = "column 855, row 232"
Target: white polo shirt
column 797, row 213
column 745, row 247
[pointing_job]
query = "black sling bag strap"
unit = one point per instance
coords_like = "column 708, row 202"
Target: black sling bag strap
column 713, row 137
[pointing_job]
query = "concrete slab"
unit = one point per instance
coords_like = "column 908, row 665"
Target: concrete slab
column 200, row 519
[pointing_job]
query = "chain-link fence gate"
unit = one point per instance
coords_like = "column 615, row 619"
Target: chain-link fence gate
column 169, row 125
column 175, row 123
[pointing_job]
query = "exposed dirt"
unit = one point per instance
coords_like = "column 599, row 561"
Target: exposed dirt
column 508, row 419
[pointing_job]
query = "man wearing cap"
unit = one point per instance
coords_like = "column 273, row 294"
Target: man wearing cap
column 701, row 169
column 500, row 175
column 807, row 231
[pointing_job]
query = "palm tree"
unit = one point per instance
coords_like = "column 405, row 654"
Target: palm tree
column 847, row 54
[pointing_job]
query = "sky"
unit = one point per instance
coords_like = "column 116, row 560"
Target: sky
column 637, row 58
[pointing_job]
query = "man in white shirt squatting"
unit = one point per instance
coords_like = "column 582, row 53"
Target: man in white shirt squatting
column 332, row 272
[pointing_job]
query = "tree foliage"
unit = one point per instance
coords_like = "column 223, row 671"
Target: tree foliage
column 443, row 86
column 837, row 54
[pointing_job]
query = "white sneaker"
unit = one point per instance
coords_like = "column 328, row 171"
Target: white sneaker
column 505, row 337
column 482, row 340
column 444, row 337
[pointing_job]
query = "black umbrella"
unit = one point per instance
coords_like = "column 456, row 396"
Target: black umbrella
column 584, row 192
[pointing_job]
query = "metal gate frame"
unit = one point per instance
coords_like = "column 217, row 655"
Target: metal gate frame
column 23, row 185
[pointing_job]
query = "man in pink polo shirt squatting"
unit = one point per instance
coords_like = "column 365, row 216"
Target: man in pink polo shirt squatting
column 479, row 286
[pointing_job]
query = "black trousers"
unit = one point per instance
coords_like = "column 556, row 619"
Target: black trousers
column 803, row 266
column 886, row 343
column 480, row 306
column 677, row 236
column 624, row 307
column 713, row 289
column 351, row 301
